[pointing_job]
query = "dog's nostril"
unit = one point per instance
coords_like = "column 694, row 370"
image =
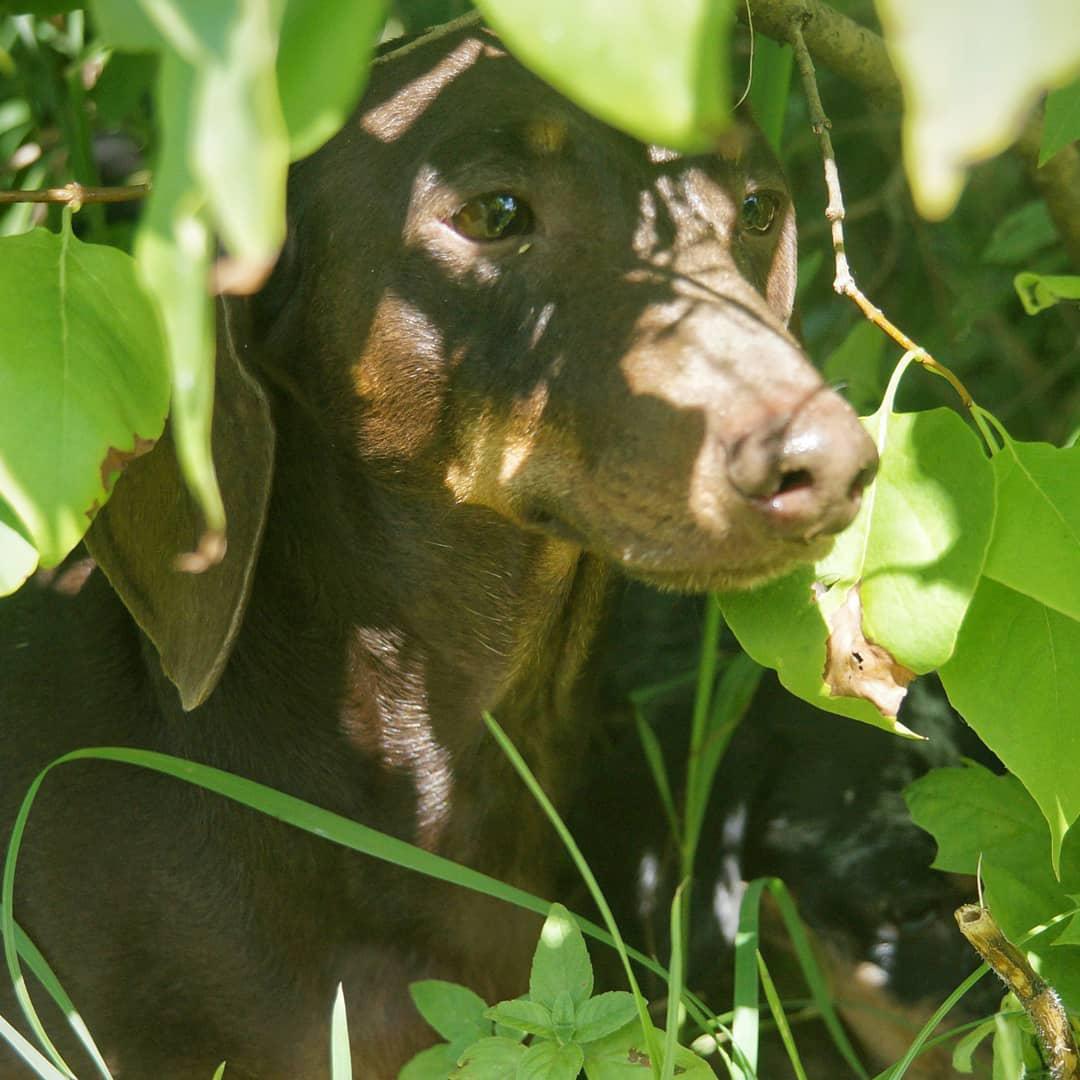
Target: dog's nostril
column 794, row 480
column 863, row 480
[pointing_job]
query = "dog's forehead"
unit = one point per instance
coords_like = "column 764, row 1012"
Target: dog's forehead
column 425, row 84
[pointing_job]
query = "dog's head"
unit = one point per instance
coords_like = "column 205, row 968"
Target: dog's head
column 493, row 301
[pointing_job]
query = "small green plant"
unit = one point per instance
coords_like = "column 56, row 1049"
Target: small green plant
column 551, row 1033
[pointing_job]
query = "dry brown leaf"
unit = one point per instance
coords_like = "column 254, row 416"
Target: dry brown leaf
column 855, row 667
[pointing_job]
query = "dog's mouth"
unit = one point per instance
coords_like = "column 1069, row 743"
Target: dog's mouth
column 662, row 564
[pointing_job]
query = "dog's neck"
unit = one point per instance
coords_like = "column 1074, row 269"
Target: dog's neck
column 409, row 619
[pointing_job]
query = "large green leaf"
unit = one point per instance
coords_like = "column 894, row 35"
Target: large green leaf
column 1062, row 123
column 980, row 820
column 83, row 382
column 903, row 574
column 173, row 248
column 1015, row 678
column 655, row 68
column 962, row 105
column 1036, row 545
column 318, row 94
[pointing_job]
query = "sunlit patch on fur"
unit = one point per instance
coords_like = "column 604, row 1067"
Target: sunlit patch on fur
column 546, row 134
column 390, row 120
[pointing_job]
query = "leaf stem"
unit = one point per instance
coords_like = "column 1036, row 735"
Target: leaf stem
column 76, row 195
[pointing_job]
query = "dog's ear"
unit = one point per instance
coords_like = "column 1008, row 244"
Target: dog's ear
column 151, row 520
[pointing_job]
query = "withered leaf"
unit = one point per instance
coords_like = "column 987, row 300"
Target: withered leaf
column 855, row 667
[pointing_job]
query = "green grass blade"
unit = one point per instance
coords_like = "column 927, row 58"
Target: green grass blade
column 219, row 1072
column 47, row 977
column 920, row 1042
column 731, row 699
column 776, row 1007
column 340, row 1053
column 746, row 1024
column 654, row 756
column 675, row 983
column 814, row 977
column 41, row 1065
column 587, row 876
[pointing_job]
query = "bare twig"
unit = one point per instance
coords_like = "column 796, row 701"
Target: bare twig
column 844, row 281
column 856, row 53
column 1038, row 998
column 76, row 195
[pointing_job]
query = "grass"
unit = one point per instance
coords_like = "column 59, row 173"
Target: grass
column 722, row 695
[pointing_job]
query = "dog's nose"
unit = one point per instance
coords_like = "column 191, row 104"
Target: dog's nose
column 805, row 472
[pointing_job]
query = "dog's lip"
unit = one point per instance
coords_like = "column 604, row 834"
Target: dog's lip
column 696, row 574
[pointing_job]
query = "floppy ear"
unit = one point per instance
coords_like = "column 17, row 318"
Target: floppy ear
column 151, row 520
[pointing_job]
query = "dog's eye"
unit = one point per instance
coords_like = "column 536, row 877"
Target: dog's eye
column 759, row 211
column 494, row 217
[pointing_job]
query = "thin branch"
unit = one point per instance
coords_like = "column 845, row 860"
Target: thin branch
column 76, row 195
column 844, row 281
column 857, row 54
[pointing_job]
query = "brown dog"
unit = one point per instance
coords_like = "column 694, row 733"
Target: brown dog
column 506, row 349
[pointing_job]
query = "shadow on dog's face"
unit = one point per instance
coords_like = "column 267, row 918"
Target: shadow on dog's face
column 543, row 318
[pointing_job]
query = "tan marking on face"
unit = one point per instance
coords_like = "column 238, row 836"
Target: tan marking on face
column 394, row 117
column 495, row 449
column 546, row 134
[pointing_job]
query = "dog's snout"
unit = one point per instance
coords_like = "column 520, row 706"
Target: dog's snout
column 805, row 471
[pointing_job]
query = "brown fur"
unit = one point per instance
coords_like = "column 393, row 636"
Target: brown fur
column 464, row 439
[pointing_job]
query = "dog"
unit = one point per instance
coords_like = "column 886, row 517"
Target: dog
column 506, row 352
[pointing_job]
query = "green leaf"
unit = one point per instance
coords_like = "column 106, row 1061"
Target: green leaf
column 963, row 105
column 604, row 1014
column 549, row 1061
column 83, row 384
column 1061, row 124
column 434, row 1063
column 1009, row 1041
column 493, row 1058
column 316, row 97
column 340, row 1054
column 561, row 961
column 1037, row 292
column 973, row 815
column 173, row 249
column 656, row 69
column 1036, row 544
column 1021, row 235
column 769, row 85
column 562, row 1016
column 1061, row 969
column 239, row 144
column 452, row 1010
column 126, row 25
column 964, row 1051
column 858, row 363
column 523, row 1015
column 920, row 539
column 624, row 1055
column 971, row 812
column 1013, row 649
column 18, row 557
column 914, row 554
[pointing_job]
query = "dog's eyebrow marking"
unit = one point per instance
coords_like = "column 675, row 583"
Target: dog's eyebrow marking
column 390, row 120
column 546, row 134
